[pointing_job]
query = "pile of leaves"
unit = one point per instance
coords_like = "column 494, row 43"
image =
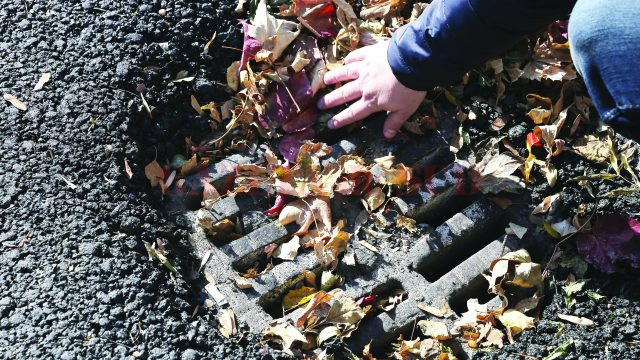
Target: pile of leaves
column 304, row 191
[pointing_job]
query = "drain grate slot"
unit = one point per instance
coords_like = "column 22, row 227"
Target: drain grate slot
column 475, row 289
column 458, row 238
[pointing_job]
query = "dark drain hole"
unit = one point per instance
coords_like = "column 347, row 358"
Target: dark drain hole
column 440, row 263
column 272, row 301
column 475, row 289
column 391, row 290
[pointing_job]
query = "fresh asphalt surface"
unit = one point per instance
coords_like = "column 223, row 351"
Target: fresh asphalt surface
column 75, row 279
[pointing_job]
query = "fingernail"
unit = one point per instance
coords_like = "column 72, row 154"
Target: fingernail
column 389, row 133
column 331, row 124
column 320, row 103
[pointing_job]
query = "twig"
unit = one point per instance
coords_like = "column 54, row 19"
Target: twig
column 26, row 8
column 7, row 209
column 232, row 48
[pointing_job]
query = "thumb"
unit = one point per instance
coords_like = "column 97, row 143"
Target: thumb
column 393, row 123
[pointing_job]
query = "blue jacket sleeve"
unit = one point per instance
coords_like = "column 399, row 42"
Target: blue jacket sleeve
column 452, row 36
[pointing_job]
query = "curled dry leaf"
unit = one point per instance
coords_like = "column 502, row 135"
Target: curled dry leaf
column 288, row 250
column 227, row 323
column 44, row 78
column 285, row 334
column 306, row 212
column 15, row 102
column 373, row 199
column 434, row 329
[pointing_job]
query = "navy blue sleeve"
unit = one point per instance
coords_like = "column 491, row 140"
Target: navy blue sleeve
column 453, row 36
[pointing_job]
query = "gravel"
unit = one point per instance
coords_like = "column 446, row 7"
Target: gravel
column 76, row 281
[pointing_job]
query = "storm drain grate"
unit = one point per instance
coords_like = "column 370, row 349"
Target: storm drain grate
column 443, row 267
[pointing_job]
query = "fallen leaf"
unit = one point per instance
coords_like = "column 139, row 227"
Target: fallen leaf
column 546, row 204
column 204, row 260
column 274, row 34
column 196, row 106
column 15, row 102
column 44, row 78
column 613, row 242
column 210, row 42
column 373, row 199
column 233, row 78
column 495, row 337
column 327, row 333
column 183, row 76
column 288, row 250
column 517, row 230
column 127, row 169
column 293, row 297
column 593, row 148
column 344, row 310
column 444, row 311
column 434, row 329
column 227, row 323
column 284, row 333
column 306, row 212
column 577, row 320
column 209, row 195
column 406, row 223
column 515, row 321
column 242, row 283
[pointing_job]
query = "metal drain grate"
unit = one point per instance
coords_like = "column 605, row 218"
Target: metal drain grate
column 442, row 267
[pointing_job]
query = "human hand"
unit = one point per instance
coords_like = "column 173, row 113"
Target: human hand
column 374, row 88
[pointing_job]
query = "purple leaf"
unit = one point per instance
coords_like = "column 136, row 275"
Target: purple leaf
column 281, row 107
column 290, row 144
column 559, row 31
column 614, row 240
column 250, row 47
column 317, row 16
column 301, row 121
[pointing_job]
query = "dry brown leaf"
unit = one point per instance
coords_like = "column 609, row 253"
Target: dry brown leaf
column 15, row 102
column 373, row 199
column 44, row 78
column 227, row 323
column 153, row 171
column 283, row 333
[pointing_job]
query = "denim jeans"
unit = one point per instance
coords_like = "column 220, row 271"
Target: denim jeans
column 604, row 37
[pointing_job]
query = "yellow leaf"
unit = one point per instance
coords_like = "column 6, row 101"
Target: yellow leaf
column 516, row 321
column 293, row 297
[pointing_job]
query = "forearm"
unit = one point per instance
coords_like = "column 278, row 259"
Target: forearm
column 452, row 36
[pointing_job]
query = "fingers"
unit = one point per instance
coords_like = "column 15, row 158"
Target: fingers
column 357, row 111
column 345, row 73
column 393, row 124
column 349, row 92
column 356, row 55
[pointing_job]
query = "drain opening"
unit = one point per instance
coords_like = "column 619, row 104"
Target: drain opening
column 383, row 298
column 475, row 289
column 272, row 302
column 437, row 264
